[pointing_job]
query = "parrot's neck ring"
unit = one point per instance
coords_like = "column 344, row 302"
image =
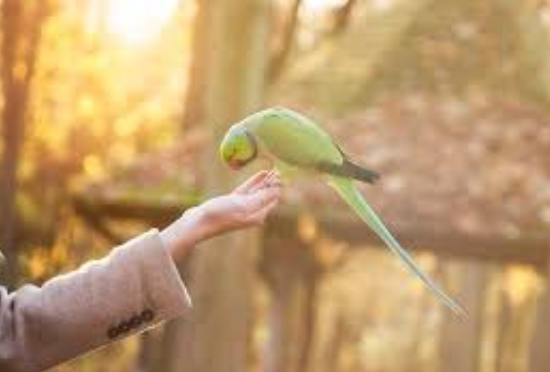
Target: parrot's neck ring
column 254, row 145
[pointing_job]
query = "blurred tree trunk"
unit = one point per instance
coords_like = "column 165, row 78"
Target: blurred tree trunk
column 226, row 81
column 224, row 268
column 149, row 353
column 291, row 325
column 539, row 358
column 284, row 41
column 177, row 346
column 197, row 74
column 412, row 356
column 336, row 345
column 504, row 319
column 461, row 338
column 342, row 16
column 291, row 273
column 514, row 332
column 21, row 25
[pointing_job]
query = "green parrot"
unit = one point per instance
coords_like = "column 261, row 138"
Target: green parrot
column 296, row 142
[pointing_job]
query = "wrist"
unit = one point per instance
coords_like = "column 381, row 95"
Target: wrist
column 184, row 233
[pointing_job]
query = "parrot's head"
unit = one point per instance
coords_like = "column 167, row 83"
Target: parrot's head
column 238, row 148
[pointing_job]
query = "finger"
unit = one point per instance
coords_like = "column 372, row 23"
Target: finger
column 260, row 216
column 246, row 186
column 259, row 199
column 275, row 182
column 275, row 179
column 271, row 180
column 265, row 182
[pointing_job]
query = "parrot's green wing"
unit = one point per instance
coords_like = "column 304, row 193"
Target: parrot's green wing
column 351, row 194
column 294, row 139
column 299, row 141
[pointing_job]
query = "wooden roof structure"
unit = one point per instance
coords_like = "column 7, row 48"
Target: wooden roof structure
column 465, row 178
column 461, row 138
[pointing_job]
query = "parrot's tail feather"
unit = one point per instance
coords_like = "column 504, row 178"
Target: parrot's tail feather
column 351, row 194
column 349, row 169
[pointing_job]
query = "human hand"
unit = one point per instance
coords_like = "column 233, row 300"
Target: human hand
column 248, row 205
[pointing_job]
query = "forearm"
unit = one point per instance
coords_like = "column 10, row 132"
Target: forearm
column 182, row 235
column 136, row 286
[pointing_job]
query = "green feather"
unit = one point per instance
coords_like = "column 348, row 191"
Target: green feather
column 351, row 194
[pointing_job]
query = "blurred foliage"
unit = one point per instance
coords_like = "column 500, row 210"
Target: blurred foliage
column 444, row 47
column 99, row 101
column 97, row 104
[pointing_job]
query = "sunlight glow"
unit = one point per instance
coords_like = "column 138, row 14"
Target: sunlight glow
column 316, row 6
column 138, row 21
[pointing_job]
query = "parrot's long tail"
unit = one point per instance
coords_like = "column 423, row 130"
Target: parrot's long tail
column 353, row 197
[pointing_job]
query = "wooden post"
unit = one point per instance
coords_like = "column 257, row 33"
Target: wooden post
column 461, row 337
column 539, row 355
column 177, row 353
column 515, row 330
column 504, row 319
column 291, row 273
column 177, row 346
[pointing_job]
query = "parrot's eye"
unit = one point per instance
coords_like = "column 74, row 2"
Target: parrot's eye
column 245, row 150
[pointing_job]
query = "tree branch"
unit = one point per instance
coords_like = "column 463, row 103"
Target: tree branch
column 198, row 67
column 342, row 17
column 284, row 46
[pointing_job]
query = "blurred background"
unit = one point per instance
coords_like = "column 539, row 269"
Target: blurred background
column 111, row 113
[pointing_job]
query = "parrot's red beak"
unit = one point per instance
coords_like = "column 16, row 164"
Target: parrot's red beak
column 234, row 164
